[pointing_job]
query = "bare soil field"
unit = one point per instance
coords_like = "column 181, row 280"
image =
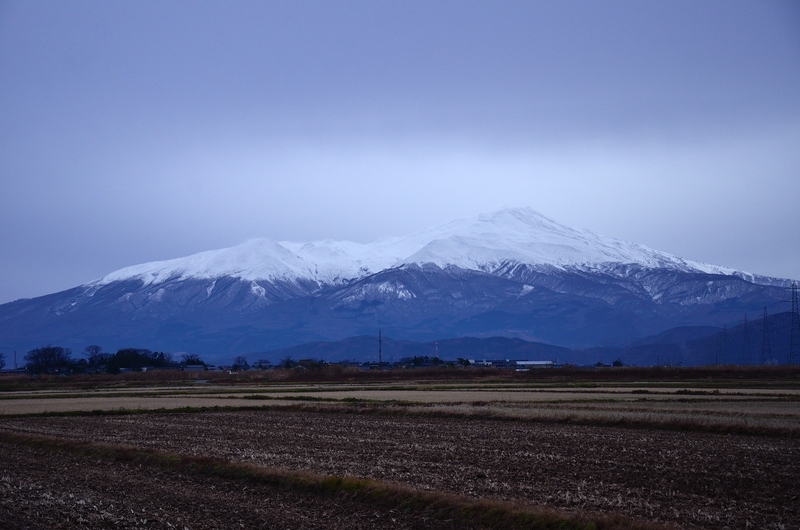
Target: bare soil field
column 713, row 448
column 40, row 488
column 691, row 479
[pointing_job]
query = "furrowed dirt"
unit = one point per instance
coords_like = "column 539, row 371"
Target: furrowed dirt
column 41, row 488
column 692, row 479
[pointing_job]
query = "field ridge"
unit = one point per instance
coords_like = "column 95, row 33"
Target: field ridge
column 482, row 513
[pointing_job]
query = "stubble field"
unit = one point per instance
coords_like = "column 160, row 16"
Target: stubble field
column 692, row 455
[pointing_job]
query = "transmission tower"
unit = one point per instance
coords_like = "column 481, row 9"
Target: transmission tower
column 794, row 334
column 766, row 349
column 747, row 353
column 380, row 348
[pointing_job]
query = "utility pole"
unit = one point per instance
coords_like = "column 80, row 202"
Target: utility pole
column 766, row 350
column 380, row 348
column 15, row 359
column 746, row 351
column 794, row 333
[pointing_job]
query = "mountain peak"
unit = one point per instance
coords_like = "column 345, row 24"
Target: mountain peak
column 523, row 214
column 510, row 272
column 484, row 242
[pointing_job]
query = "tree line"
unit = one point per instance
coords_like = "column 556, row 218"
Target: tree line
column 56, row 359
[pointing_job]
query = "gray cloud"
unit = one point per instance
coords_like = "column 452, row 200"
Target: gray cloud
column 135, row 132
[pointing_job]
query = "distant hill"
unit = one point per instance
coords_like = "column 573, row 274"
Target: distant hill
column 365, row 348
column 679, row 335
column 685, row 346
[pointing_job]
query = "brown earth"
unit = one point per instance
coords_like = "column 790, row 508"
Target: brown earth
column 695, row 480
column 41, row 488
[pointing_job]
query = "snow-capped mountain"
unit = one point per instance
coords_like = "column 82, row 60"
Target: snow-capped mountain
column 513, row 273
column 485, row 243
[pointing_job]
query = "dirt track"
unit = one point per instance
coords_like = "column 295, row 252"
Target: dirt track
column 692, row 479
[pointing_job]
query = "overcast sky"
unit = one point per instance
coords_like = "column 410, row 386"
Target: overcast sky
column 140, row 131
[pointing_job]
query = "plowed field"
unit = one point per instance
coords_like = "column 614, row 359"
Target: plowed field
column 692, row 479
column 42, row 489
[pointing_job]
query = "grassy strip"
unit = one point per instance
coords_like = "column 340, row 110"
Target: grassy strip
column 130, row 412
column 154, row 394
column 262, row 397
column 619, row 388
column 481, row 513
column 302, row 394
column 402, row 409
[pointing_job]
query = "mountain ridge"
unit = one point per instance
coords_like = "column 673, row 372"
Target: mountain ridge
column 484, row 243
column 512, row 273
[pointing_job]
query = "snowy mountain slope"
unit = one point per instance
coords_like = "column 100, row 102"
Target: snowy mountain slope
column 512, row 273
column 485, row 243
column 260, row 259
column 524, row 236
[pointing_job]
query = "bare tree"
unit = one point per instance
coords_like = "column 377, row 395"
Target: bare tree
column 2, row 360
column 191, row 358
column 287, row 362
column 94, row 354
column 241, row 362
column 48, row 359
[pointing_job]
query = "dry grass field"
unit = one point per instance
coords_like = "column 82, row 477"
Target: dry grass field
column 492, row 452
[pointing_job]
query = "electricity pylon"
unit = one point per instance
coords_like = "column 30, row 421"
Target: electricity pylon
column 766, row 349
column 794, row 333
column 747, row 352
